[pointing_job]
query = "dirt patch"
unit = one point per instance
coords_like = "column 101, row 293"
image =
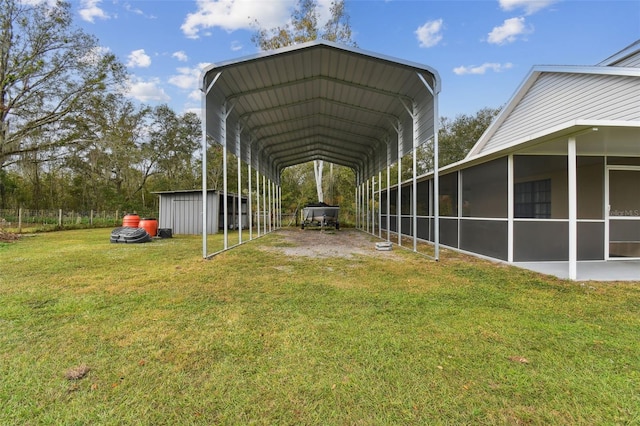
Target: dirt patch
column 6, row 237
column 321, row 244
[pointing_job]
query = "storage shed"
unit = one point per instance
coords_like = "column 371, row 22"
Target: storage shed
column 181, row 211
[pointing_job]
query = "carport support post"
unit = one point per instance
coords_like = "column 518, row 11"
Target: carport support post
column 225, row 183
column 239, row 152
column 380, row 204
column 239, row 201
column 249, row 203
column 363, row 210
column 269, row 192
column 373, row 204
column 436, row 184
column 358, row 204
column 264, row 204
column 275, row 213
column 414, row 197
column 573, row 208
column 368, row 206
column 280, row 204
column 388, row 203
column 204, row 174
column 276, row 206
column 436, row 179
column 362, row 207
column 258, row 201
column 399, row 201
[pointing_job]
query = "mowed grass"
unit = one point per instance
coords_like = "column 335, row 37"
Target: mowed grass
column 254, row 337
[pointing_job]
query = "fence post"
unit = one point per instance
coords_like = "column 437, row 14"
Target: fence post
column 60, row 217
column 91, row 218
column 20, row 220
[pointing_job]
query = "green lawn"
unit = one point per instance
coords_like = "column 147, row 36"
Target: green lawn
column 251, row 337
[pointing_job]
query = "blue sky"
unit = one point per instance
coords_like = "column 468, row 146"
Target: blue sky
column 482, row 49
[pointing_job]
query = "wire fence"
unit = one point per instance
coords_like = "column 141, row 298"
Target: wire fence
column 21, row 220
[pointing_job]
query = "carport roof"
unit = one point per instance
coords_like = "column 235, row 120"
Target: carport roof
column 319, row 101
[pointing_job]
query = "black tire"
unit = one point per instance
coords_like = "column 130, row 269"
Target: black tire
column 129, row 235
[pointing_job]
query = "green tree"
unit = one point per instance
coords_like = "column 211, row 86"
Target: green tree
column 110, row 158
column 303, row 27
column 456, row 137
column 169, row 152
column 47, row 69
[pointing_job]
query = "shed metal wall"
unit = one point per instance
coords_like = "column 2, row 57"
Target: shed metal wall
column 558, row 98
column 182, row 212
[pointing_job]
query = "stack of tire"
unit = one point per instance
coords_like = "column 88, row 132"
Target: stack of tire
column 129, row 232
column 126, row 234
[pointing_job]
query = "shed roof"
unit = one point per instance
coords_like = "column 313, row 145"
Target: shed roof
column 319, row 101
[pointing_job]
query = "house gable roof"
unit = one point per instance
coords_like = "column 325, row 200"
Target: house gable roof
column 556, row 97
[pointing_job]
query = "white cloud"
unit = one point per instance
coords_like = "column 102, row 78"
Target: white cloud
column 509, row 31
column 430, row 34
column 147, row 91
column 180, row 55
column 138, row 59
column 132, row 9
column 236, row 45
column 195, row 95
column 529, row 6
column 188, row 78
column 482, row 69
column 232, row 15
column 90, row 10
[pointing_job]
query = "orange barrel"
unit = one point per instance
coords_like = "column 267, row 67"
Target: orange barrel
column 131, row 220
column 150, row 225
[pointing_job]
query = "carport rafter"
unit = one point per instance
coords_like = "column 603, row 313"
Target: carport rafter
column 297, row 120
column 334, row 156
column 361, row 146
column 319, row 78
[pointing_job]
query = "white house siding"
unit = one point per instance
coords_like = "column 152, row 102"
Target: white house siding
column 558, row 98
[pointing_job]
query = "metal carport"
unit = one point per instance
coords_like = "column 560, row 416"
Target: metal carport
column 318, row 101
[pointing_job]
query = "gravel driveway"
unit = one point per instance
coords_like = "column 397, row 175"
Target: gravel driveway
column 315, row 243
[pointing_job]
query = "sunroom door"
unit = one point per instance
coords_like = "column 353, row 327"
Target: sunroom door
column 623, row 212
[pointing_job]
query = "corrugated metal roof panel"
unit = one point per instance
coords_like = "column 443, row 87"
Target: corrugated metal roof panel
column 318, row 100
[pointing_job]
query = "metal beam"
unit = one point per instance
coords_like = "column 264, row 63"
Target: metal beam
column 316, row 78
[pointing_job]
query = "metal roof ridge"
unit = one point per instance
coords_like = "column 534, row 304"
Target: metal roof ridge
column 322, row 43
column 631, row 49
column 530, row 79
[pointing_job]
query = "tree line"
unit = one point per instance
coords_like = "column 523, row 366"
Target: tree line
column 70, row 138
